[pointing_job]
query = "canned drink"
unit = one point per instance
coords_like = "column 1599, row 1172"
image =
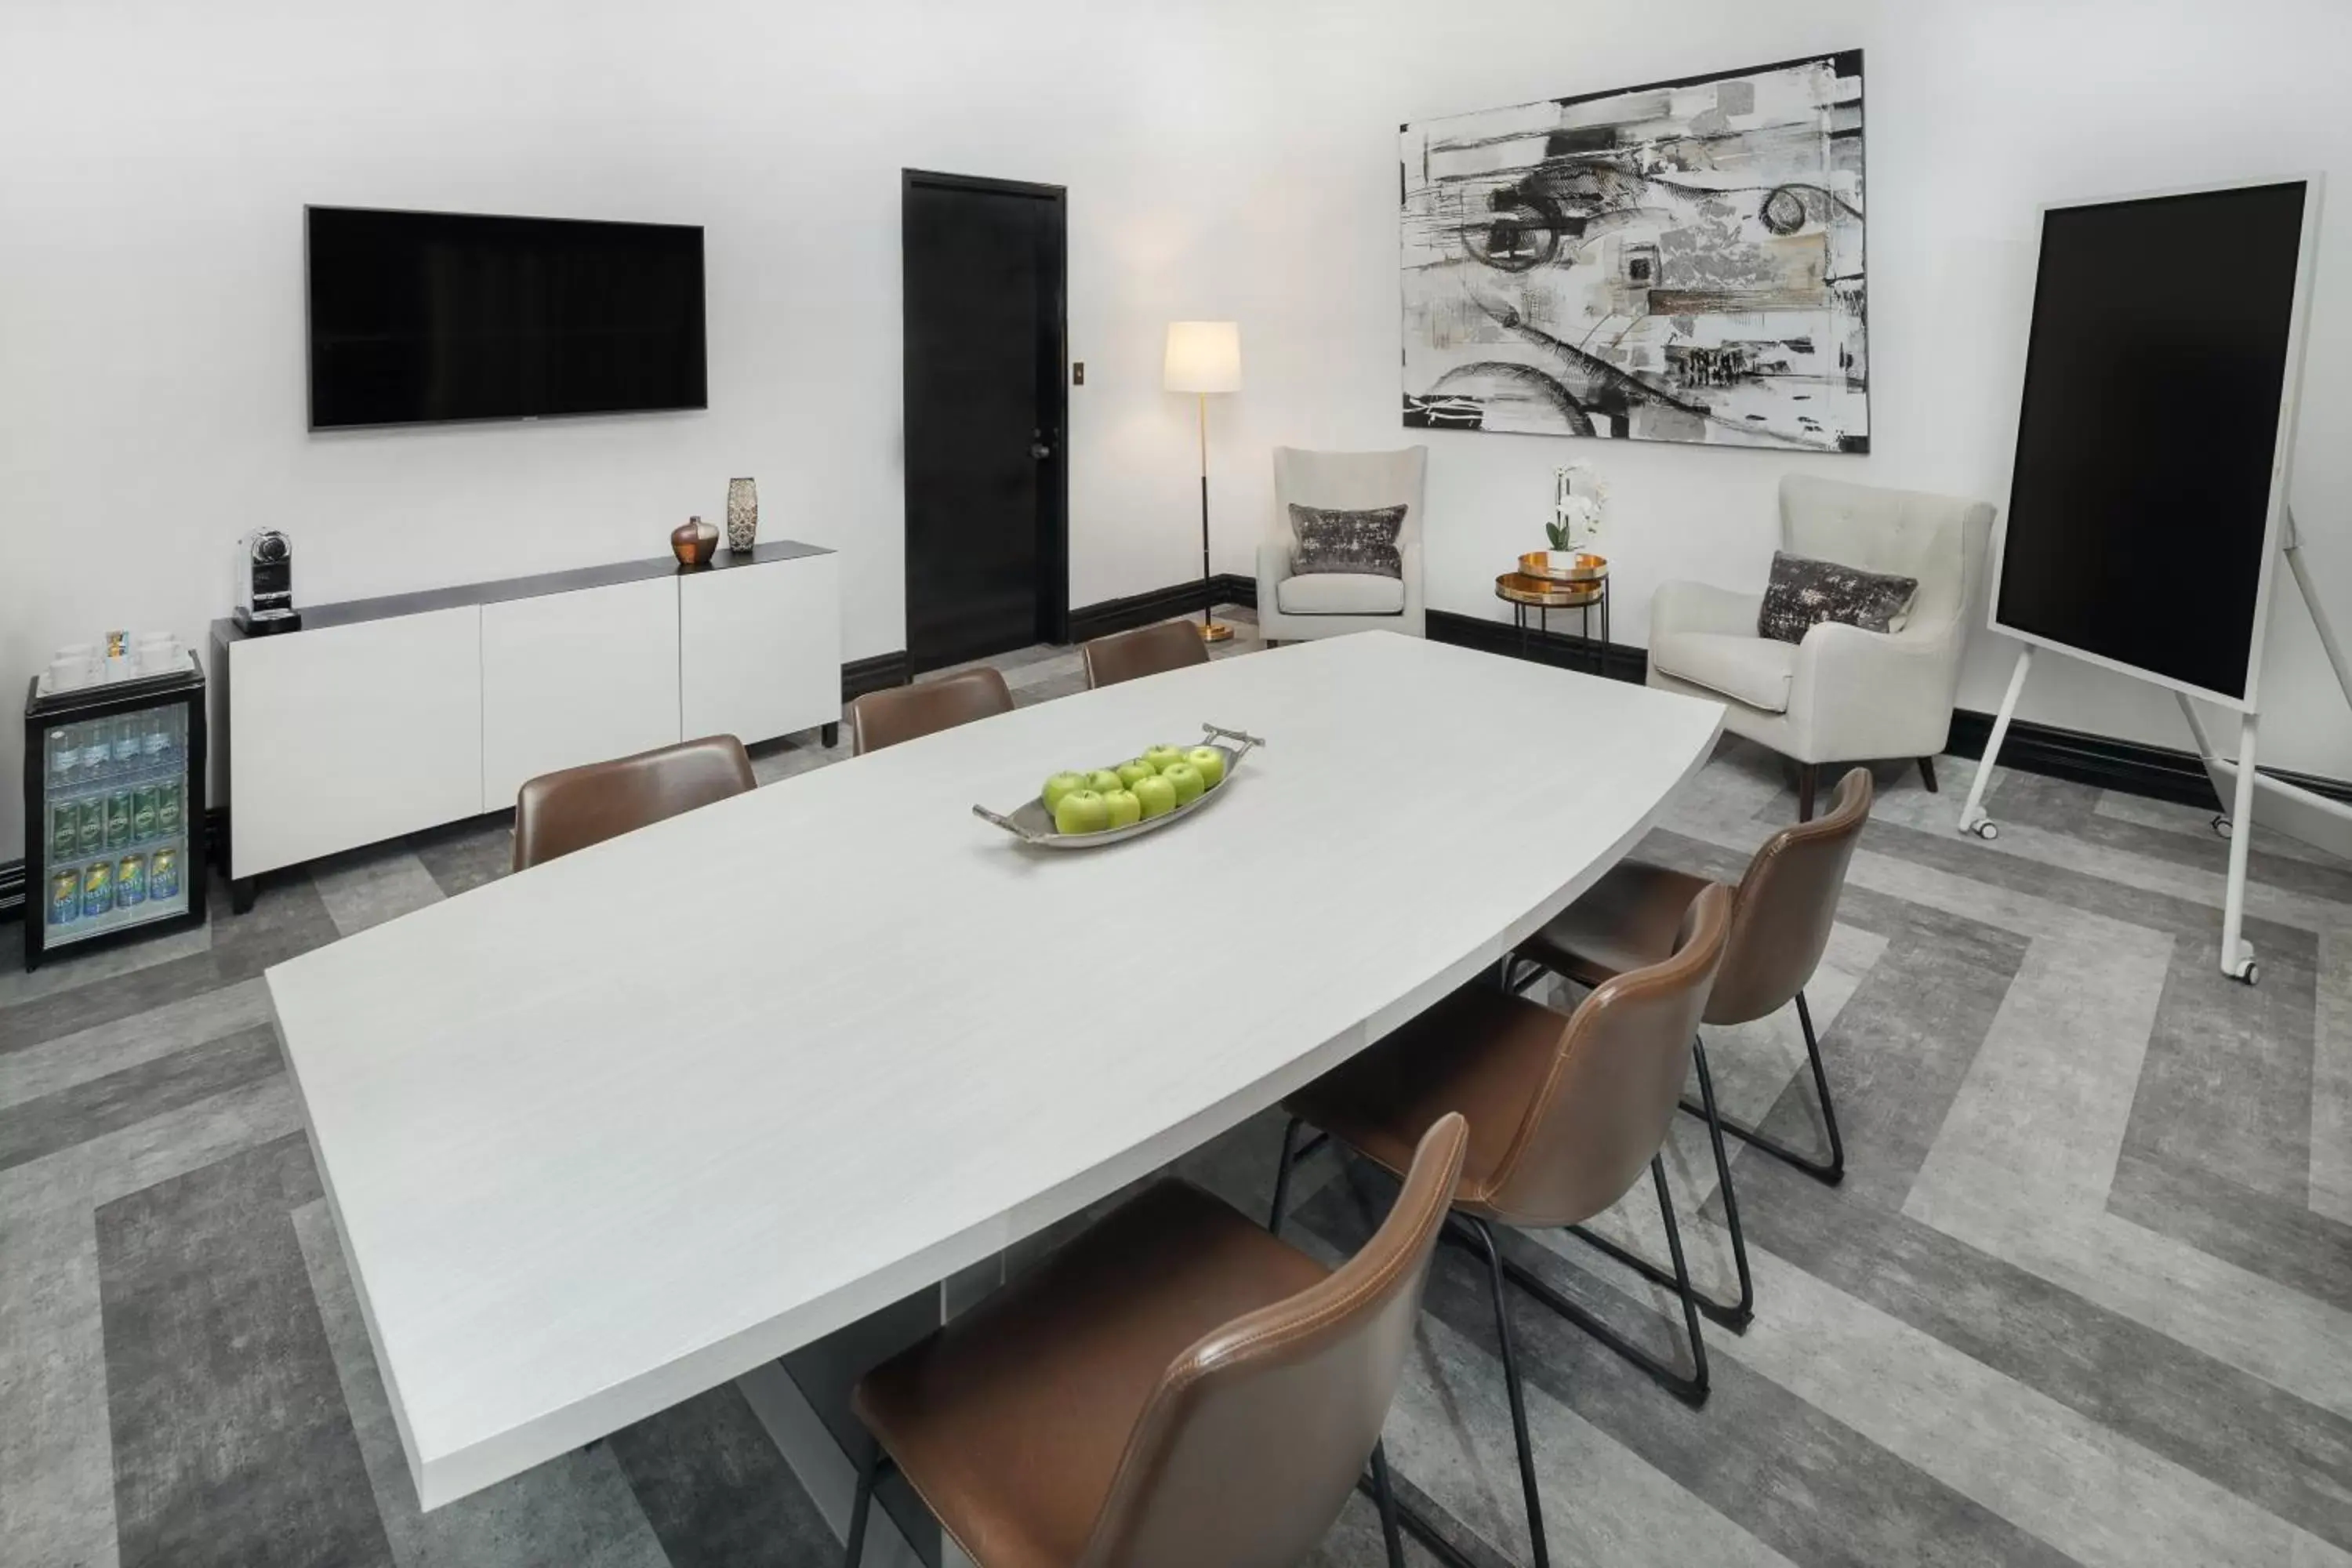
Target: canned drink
column 143, row 818
column 167, row 807
column 65, row 831
column 118, row 819
column 65, row 896
column 97, row 889
column 164, row 874
column 131, row 881
column 91, row 838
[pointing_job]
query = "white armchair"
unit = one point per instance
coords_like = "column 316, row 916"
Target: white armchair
column 1843, row 695
column 1327, row 604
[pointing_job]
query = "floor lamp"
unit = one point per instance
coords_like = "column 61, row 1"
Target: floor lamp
column 1205, row 357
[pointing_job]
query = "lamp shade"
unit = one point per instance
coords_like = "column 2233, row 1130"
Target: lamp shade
column 1203, row 356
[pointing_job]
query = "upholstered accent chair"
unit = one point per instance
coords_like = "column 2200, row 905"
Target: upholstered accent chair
column 1327, row 604
column 1843, row 695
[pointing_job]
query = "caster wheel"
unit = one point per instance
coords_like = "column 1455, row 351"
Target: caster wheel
column 2249, row 972
column 2222, row 826
column 1987, row 830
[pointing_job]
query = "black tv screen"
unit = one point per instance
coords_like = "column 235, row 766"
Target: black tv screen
column 2149, row 429
column 419, row 318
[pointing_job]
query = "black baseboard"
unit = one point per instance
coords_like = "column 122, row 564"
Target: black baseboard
column 1616, row 660
column 1090, row 621
column 860, row 675
column 2159, row 772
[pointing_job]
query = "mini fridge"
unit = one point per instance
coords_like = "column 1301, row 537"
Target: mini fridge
column 114, row 812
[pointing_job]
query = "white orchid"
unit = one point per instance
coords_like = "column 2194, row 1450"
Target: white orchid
column 1579, row 496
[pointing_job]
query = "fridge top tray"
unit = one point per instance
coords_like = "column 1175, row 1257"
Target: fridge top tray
column 41, row 703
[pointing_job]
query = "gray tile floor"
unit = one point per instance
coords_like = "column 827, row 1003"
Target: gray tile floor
column 2086, row 1296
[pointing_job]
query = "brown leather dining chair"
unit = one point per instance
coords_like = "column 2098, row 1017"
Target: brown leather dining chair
column 882, row 718
column 1786, row 903
column 1147, row 650
column 1175, row 1388
column 1564, row 1114
column 560, row 812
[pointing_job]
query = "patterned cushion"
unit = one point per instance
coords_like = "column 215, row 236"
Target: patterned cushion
column 1363, row 544
column 1803, row 593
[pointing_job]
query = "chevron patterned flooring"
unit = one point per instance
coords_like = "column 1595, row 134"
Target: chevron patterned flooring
column 2084, row 1298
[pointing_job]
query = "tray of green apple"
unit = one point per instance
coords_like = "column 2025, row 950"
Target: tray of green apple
column 1082, row 808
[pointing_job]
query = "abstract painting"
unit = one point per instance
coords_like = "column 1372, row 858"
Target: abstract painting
column 1677, row 262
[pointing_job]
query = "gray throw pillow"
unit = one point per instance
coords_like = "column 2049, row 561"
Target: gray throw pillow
column 1803, row 593
column 1362, row 542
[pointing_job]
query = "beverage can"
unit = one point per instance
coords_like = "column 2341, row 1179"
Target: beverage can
column 97, row 889
column 131, row 881
column 164, row 874
column 145, row 820
column 118, row 819
column 92, row 836
column 65, row 896
column 65, row 830
column 167, row 807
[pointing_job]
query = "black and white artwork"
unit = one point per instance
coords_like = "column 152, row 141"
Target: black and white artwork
column 1677, row 262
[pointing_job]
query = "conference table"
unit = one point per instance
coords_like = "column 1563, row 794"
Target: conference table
column 609, row 1133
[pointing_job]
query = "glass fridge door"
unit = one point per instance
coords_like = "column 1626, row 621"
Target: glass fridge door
column 117, row 811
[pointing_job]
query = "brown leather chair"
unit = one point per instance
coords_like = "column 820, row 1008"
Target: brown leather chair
column 1147, row 650
column 1175, row 1388
column 1563, row 1115
column 1786, row 903
column 558, row 812
column 882, row 718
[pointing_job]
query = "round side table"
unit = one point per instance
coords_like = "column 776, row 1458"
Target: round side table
column 1586, row 590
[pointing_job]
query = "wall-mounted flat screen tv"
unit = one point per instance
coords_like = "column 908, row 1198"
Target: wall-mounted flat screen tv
column 424, row 318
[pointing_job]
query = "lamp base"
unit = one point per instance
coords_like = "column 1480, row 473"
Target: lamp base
column 1216, row 631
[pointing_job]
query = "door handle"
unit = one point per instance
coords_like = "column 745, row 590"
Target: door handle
column 1040, row 450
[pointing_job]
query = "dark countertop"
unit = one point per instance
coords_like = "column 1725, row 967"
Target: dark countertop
column 317, row 617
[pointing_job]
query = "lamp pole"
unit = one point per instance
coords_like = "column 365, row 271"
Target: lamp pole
column 1210, row 630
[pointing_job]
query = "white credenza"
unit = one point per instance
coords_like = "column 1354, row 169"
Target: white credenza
column 385, row 716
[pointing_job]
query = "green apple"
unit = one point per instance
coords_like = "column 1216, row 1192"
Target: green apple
column 1212, row 763
column 1081, row 811
column 1155, row 795
column 1160, row 757
column 1059, row 785
column 1129, row 771
column 1187, row 780
column 1126, row 811
column 1102, row 781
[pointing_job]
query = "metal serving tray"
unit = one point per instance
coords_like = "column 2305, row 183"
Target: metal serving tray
column 1033, row 825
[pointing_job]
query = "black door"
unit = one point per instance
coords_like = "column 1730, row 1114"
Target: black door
column 987, row 488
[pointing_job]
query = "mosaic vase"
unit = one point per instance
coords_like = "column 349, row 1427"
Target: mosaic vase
column 743, row 515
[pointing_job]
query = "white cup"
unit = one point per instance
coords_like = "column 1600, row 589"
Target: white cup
column 158, row 654
column 66, row 674
column 83, row 652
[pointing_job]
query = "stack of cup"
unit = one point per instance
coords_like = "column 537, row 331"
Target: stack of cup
column 158, row 653
column 76, row 664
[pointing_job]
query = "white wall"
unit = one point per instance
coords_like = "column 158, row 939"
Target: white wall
column 1223, row 159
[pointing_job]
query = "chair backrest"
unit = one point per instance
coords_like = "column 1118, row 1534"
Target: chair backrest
column 1788, row 901
column 1253, row 1439
column 882, row 718
column 1940, row 539
column 1604, row 1110
column 1350, row 482
column 558, row 812
column 1147, row 650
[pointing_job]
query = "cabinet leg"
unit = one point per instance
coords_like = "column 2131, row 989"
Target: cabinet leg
column 829, row 736
column 240, row 893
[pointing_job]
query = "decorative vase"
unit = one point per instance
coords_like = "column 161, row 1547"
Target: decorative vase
column 743, row 515
column 693, row 541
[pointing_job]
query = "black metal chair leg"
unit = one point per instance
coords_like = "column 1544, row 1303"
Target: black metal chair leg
column 1281, row 1176
column 1690, row 1387
column 1496, row 1268
column 868, row 1471
column 1733, row 1315
column 1386, row 1496
column 1831, row 1171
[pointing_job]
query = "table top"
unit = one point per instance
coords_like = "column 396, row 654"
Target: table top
column 610, row 1132
column 1549, row 593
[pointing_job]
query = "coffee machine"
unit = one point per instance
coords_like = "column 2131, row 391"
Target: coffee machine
column 265, row 583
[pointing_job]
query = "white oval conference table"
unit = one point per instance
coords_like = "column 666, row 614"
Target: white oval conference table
column 605, row 1135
